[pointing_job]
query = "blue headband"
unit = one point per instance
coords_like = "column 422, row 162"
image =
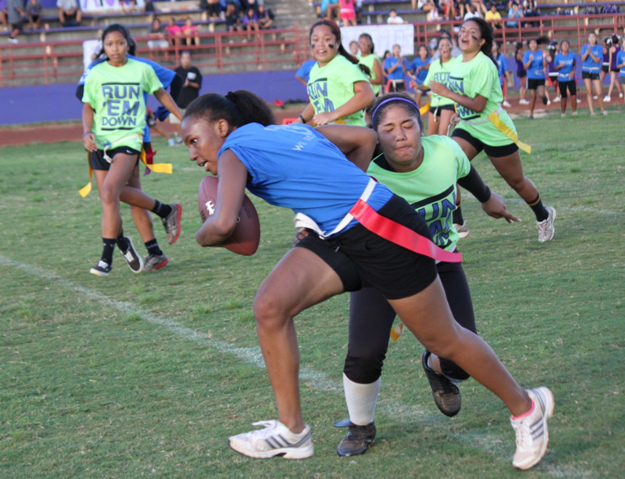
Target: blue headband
column 388, row 100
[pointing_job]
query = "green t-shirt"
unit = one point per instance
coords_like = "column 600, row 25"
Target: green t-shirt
column 439, row 73
column 117, row 96
column 431, row 188
column 332, row 86
column 480, row 77
column 369, row 61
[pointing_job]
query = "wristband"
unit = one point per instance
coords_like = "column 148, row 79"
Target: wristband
column 302, row 118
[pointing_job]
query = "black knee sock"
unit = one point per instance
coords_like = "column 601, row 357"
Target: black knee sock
column 153, row 248
column 457, row 216
column 122, row 242
column 161, row 209
column 108, row 245
column 539, row 210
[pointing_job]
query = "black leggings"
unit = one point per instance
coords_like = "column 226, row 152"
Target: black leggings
column 371, row 319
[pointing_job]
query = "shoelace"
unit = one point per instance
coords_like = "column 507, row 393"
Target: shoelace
column 268, row 431
column 524, row 438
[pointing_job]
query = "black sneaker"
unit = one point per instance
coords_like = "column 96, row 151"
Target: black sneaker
column 135, row 262
column 155, row 261
column 101, row 269
column 171, row 223
column 357, row 441
column 446, row 394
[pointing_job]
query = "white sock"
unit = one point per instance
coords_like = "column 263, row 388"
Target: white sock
column 361, row 400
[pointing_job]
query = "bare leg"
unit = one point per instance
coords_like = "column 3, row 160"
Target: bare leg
column 141, row 216
column 511, row 169
column 598, row 91
column 588, row 84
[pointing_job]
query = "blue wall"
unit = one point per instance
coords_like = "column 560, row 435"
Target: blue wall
column 49, row 103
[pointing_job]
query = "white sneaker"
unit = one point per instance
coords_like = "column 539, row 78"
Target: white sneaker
column 546, row 228
column 556, row 99
column 620, row 95
column 506, row 104
column 523, row 102
column 563, row 115
column 607, row 98
column 463, row 229
column 595, row 97
column 275, row 440
column 532, row 434
column 171, row 142
column 579, row 101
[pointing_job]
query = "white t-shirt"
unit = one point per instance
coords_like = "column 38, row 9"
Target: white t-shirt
column 396, row 20
column 471, row 15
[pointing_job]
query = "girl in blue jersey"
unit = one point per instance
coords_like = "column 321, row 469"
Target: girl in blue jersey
column 535, row 63
column 592, row 57
column 418, row 72
column 564, row 63
column 297, row 167
column 504, row 73
column 395, row 67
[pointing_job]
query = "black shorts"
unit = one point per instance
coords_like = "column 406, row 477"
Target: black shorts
column 615, row 70
column 567, row 85
column 491, row 151
column 533, row 84
column 521, row 74
column 437, row 110
column 589, row 75
column 363, row 259
column 396, row 85
column 605, row 68
column 98, row 162
column 18, row 26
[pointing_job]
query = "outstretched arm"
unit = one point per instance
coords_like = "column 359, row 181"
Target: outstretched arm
column 168, row 102
column 492, row 203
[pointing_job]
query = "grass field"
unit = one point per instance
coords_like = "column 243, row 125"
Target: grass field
column 148, row 375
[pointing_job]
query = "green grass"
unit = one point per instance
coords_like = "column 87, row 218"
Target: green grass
column 148, row 375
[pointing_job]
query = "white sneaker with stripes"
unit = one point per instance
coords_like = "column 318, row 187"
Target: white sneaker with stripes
column 274, row 440
column 532, row 434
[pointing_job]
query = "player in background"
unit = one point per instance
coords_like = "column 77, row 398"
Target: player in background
column 535, row 63
column 418, row 71
column 620, row 64
column 564, row 63
column 338, row 88
column 169, row 213
column 502, row 70
column 395, row 67
column 368, row 58
column 318, row 173
column 521, row 72
column 592, row 57
column 113, row 125
column 424, row 171
column 484, row 124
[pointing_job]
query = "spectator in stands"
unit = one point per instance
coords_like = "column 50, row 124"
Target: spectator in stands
column 480, row 7
column 233, row 20
column 128, row 5
column 3, row 15
column 250, row 23
column 514, row 12
column 425, row 5
column 592, row 57
column 531, row 10
column 330, row 9
column 148, row 6
column 189, row 33
column 449, row 9
column 70, row 14
column 265, row 17
column 394, row 19
column 302, row 75
column 16, row 17
column 521, row 73
column 368, row 58
column 174, row 32
column 192, row 81
column 395, row 67
column 33, row 9
column 418, row 71
column 211, row 7
column 493, row 16
column 348, row 12
column 613, row 51
column 158, row 37
column 472, row 12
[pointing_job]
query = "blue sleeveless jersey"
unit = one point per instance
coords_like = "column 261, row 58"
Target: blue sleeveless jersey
column 296, row 167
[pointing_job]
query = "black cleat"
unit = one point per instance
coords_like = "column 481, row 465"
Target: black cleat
column 357, row 441
column 446, row 394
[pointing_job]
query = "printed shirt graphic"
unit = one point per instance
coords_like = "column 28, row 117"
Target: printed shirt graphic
column 296, row 167
column 589, row 65
column 117, row 96
column 431, row 188
column 369, row 61
column 439, row 73
column 480, row 77
column 565, row 73
column 331, row 86
column 536, row 70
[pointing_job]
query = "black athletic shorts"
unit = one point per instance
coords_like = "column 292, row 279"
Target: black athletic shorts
column 98, row 162
column 605, row 67
column 592, row 76
column 491, row 151
column 521, row 74
column 533, row 84
column 437, row 110
column 567, row 85
column 362, row 258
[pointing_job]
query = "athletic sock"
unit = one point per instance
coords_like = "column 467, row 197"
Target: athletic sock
column 457, row 216
column 122, row 242
column 539, row 210
column 361, row 400
column 153, row 248
column 161, row 209
column 108, row 245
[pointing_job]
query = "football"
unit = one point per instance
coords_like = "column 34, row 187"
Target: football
column 246, row 236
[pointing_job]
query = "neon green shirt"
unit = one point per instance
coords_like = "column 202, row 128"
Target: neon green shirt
column 439, row 73
column 480, row 77
column 332, row 86
column 369, row 61
column 431, row 188
column 117, row 96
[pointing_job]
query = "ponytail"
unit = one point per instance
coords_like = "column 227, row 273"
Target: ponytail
column 488, row 36
column 237, row 108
